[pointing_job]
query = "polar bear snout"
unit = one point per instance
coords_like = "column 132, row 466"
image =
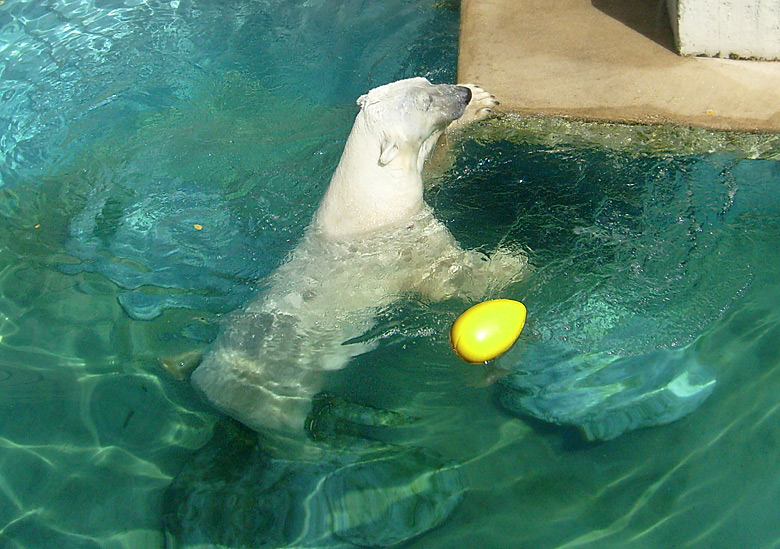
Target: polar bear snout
column 441, row 104
column 465, row 94
column 450, row 100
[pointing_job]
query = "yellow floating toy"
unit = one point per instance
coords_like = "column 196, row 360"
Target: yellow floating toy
column 487, row 329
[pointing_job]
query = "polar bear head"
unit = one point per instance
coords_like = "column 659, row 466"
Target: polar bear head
column 378, row 182
column 408, row 112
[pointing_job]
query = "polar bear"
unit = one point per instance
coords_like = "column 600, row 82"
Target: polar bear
column 372, row 241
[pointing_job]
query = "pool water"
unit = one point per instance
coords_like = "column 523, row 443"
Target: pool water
column 160, row 158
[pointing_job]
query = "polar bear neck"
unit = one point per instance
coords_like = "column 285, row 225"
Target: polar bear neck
column 365, row 195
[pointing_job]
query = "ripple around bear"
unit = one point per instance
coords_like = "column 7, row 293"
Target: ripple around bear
column 372, row 241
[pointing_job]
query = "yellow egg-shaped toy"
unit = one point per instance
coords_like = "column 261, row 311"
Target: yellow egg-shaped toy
column 487, row 329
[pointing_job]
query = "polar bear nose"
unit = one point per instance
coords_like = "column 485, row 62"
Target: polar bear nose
column 465, row 93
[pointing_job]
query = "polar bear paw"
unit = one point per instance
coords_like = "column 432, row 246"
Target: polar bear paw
column 472, row 275
column 491, row 274
column 507, row 267
column 480, row 107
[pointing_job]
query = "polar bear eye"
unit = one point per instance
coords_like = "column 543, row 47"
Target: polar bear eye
column 425, row 102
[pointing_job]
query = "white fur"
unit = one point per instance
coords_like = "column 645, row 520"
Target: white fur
column 372, row 241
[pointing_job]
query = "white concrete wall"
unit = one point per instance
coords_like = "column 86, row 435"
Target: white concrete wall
column 727, row 28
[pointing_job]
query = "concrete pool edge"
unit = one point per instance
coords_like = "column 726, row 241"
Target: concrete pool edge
column 611, row 61
column 657, row 139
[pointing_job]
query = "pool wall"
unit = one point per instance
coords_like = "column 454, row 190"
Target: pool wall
column 613, row 61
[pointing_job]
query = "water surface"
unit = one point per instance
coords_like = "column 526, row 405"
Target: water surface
column 160, row 158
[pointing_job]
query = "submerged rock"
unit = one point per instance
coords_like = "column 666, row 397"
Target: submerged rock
column 606, row 395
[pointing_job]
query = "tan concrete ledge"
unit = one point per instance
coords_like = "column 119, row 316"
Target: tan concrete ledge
column 608, row 60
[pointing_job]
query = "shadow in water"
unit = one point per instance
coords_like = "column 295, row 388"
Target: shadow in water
column 355, row 492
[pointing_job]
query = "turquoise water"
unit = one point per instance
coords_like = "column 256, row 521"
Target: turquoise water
column 160, row 158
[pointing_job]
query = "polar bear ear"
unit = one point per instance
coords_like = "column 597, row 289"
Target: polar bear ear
column 388, row 150
column 362, row 100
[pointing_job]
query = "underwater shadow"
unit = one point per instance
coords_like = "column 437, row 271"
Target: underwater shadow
column 357, row 492
column 649, row 18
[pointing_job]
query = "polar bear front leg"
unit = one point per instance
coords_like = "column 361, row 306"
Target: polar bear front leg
column 450, row 271
column 472, row 276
